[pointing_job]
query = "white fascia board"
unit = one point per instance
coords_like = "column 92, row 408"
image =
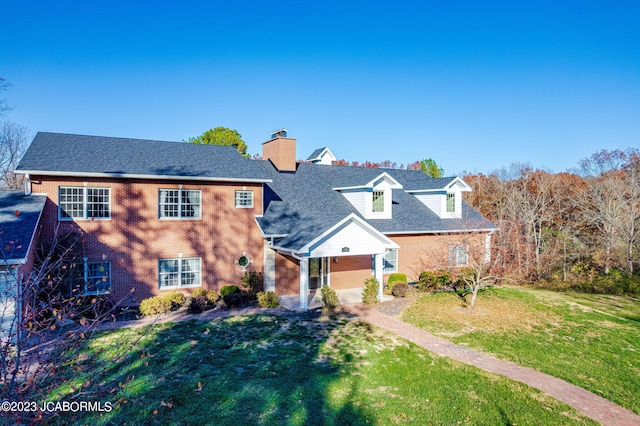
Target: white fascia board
column 460, row 183
column 393, row 184
column 139, row 176
column 443, row 231
column 355, row 218
column 422, row 191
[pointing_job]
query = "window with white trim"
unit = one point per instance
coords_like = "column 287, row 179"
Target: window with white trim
column 458, row 256
column 244, row 199
column 180, row 272
column 179, row 203
column 82, row 202
column 390, row 261
column 97, row 278
column 451, row 203
column 378, row 201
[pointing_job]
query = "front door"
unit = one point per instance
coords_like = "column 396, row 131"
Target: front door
column 318, row 272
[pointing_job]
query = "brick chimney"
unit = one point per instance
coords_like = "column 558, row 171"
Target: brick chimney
column 281, row 150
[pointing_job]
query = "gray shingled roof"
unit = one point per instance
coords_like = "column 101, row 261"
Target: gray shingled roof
column 303, row 205
column 315, row 154
column 58, row 153
column 19, row 215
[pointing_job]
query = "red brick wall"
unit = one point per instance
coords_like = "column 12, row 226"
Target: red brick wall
column 418, row 253
column 287, row 275
column 350, row 272
column 135, row 238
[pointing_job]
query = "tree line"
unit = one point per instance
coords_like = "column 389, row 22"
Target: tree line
column 565, row 227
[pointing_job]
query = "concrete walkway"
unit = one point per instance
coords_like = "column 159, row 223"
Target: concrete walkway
column 590, row 404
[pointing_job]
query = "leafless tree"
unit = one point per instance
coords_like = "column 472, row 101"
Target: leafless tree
column 4, row 107
column 13, row 144
column 51, row 318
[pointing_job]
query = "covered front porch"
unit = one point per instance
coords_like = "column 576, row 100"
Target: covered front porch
column 351, row 243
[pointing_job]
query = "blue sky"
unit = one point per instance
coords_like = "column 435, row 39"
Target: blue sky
column 473, row 85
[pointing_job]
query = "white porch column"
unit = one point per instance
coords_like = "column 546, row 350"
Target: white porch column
column 269, row 268
column 378, row 265
column 304, row 283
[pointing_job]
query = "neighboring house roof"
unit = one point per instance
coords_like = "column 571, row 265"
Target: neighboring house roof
column 301, row 206
column 19, row 216
column 98, row 156
column 322, row 156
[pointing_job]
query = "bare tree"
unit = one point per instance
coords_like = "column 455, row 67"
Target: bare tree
column 4, row 107
column 51, row 317
column 13, row 144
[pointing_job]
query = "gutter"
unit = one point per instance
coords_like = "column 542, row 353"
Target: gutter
column 138, row 176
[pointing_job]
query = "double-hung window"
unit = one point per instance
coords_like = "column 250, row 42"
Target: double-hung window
column 244, row 199
column 378, row 201
column 458, row 256
column 391, row 261
column 451, row 203
column 181, row 272
column 179, row 203
column 82, row 202
column 97, row 278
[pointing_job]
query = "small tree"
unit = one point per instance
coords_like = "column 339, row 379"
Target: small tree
column 370, row 292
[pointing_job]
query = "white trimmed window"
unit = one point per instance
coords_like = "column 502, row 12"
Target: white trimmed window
column 378, row 202
column 458, row 256
column 81, row 202
column 180, row 272
column 179, row 203
column 244, row 199
column 451, row 203
column 390, row 261
column 97, row 278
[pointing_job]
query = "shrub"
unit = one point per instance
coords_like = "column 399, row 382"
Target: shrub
column 252, row 282
column 155, row 305
column 370, row 292
column 400, row 290
column 198, row 304
column 268, row 299
column 210, row 295
column 177, row 299
column 233, row 300
column 329, row 298
column 395, row 279
column 229, row 289
column 430, row 281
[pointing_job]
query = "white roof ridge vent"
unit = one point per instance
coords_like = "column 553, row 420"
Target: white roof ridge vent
column 280, row 133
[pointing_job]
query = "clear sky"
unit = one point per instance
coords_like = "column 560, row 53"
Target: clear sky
column 475, row 85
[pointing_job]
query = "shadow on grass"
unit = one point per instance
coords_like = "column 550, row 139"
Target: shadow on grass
column 263, row 369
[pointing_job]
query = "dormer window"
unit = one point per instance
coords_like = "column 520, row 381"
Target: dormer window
column 374, row 198
column 378, row 201
column 451, row 203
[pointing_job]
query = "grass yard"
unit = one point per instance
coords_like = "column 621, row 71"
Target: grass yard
column 293, row 370
column 592, row 341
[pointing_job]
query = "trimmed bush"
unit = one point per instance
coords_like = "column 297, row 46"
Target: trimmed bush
column 177, row 299
column 210, row 295
column 233, row 300
column 155, row 305
column 329, row 298
column 229, row 289
column 395, row 279
column 198, row 304
column 400, row 290
column 370, row 292
column 430, row 281
column 268, row 299
column 252, row 282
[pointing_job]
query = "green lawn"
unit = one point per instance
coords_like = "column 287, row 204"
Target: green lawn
column 592, row 341
column 294, row 370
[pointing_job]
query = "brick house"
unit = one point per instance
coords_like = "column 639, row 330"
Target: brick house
column 159, row 216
